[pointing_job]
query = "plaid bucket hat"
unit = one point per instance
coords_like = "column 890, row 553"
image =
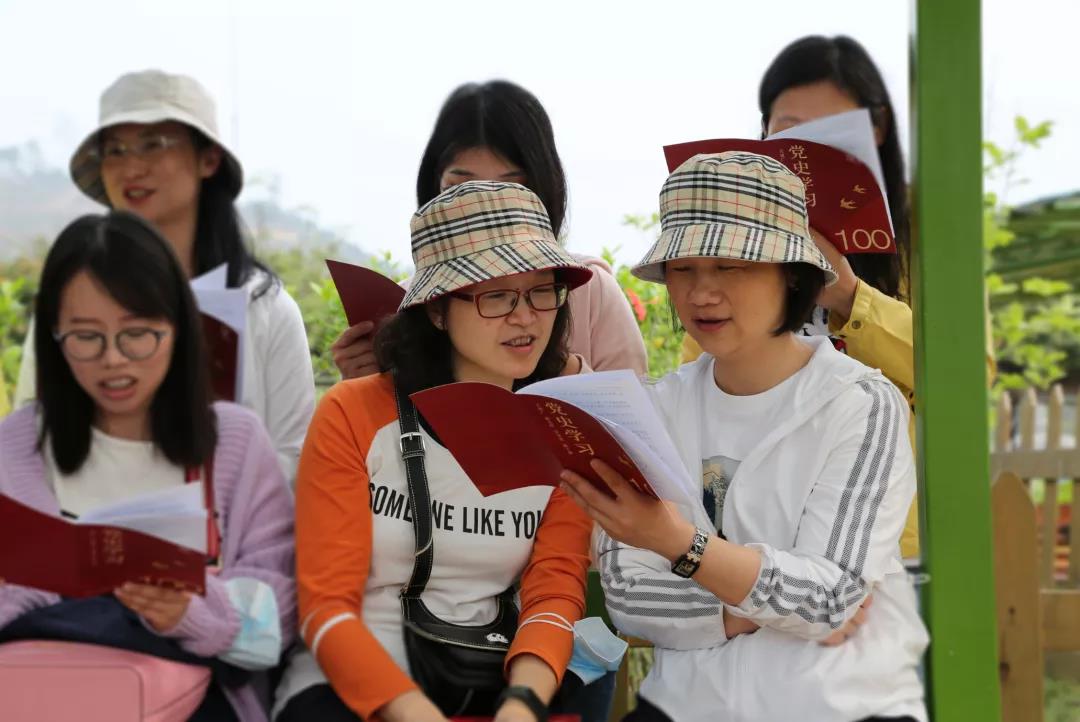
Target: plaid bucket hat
column 480, row 230
column 147, row 97
column 736, row 205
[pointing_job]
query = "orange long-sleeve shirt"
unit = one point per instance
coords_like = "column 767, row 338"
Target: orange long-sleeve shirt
column 355, row 548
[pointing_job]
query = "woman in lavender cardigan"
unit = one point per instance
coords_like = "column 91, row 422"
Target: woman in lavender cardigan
column 124, row 409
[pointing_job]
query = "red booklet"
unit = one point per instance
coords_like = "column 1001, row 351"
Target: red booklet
column 224, row 316
column 366, row 295
column 843, row 199
column 521, row 439
column 223, row 352
column 85, row 560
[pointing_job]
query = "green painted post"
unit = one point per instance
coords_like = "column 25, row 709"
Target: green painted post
column 950, row 367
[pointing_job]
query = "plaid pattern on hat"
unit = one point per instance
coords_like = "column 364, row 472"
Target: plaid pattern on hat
column 736, row 205
column 480, row 230
column 149, row 97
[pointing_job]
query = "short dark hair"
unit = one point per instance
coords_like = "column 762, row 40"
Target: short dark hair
column 846, row 64
column 508, row 120
column 803, row 282
column 421, row 355
column 137, row 267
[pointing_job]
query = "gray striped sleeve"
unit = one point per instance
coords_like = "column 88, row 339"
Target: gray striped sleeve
column 818, row 599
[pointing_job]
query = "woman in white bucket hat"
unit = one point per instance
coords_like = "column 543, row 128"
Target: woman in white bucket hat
column 756, row 598
column 156, row 152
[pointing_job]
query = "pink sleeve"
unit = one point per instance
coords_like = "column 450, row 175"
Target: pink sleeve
column 16, row 601
column 604, row 330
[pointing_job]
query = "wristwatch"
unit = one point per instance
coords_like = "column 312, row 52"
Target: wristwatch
column 688, row 563
column 528, row 697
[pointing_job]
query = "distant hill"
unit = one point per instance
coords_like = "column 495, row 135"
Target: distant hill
column 38, row 200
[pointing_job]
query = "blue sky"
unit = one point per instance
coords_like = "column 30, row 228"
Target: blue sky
column 330, row 103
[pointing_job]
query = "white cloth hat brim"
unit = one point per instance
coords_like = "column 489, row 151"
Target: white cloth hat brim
column 85, row 168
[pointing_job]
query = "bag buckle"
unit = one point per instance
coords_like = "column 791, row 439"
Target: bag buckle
column 410, row 440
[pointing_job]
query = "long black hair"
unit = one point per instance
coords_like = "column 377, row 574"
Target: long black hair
column 421, row 355
column 138, row 268
column 846, row 64
column 508, row 120
column 219, row 233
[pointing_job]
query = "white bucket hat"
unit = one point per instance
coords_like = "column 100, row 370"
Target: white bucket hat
column 147, row 97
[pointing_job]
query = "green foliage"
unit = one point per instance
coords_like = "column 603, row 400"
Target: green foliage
column 1061, row 700
column 304, row 273
column 1035, row 322
column 18, row 284
column 652, row 310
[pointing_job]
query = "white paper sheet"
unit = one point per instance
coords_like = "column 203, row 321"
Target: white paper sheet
column 618, row 400
column 177, row 515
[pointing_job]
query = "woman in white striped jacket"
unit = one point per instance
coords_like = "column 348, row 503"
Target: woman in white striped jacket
column 755, row 591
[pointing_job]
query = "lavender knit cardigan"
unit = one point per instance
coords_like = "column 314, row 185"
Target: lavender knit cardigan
column 255, row 512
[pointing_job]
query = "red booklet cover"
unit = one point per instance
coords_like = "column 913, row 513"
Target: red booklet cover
column 521, row 440
column 85, row 560
column 366, row 295
column 223, row 352
column 843, row 200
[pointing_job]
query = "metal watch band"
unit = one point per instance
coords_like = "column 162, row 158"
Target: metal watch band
column 688, row 563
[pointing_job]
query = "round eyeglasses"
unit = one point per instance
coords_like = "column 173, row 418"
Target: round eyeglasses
column 148, row 147
column 502, row 302
column 135, row 344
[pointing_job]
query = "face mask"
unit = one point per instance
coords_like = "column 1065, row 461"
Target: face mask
column 597, row 650
column 258, row 643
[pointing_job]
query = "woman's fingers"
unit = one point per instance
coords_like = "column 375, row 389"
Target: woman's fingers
column 596, row 503
column 353, row 333
column 851, row 626
column 353, row 352
column 584, row 490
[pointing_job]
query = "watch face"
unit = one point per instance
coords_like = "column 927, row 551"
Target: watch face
column 684, row 568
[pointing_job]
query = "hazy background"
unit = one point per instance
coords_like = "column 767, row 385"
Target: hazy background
column 329, row 104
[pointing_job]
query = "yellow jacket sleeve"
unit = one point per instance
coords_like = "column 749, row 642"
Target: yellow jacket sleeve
column 879, row 334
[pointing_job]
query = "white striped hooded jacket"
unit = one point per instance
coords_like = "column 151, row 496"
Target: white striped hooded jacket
column 823, row 497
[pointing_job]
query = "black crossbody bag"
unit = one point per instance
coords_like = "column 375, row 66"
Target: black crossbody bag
column 460, row 668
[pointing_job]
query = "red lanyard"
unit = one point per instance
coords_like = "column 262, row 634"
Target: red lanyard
column 213, row 534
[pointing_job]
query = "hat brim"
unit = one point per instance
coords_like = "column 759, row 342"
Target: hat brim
column 85, row 168
column 501, row 261
column 733, row 241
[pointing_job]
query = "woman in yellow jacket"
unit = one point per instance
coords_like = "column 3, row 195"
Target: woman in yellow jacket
column 866, row 311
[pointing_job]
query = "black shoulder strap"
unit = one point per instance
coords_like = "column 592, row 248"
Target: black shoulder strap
column 411, row 444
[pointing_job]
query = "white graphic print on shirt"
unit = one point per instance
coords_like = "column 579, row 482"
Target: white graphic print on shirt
column 716, row 475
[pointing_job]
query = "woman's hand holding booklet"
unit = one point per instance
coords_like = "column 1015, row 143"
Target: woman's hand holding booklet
column 527, row 438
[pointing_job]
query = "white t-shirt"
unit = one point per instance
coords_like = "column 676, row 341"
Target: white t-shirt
column 731, row 429
column 114, row 470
